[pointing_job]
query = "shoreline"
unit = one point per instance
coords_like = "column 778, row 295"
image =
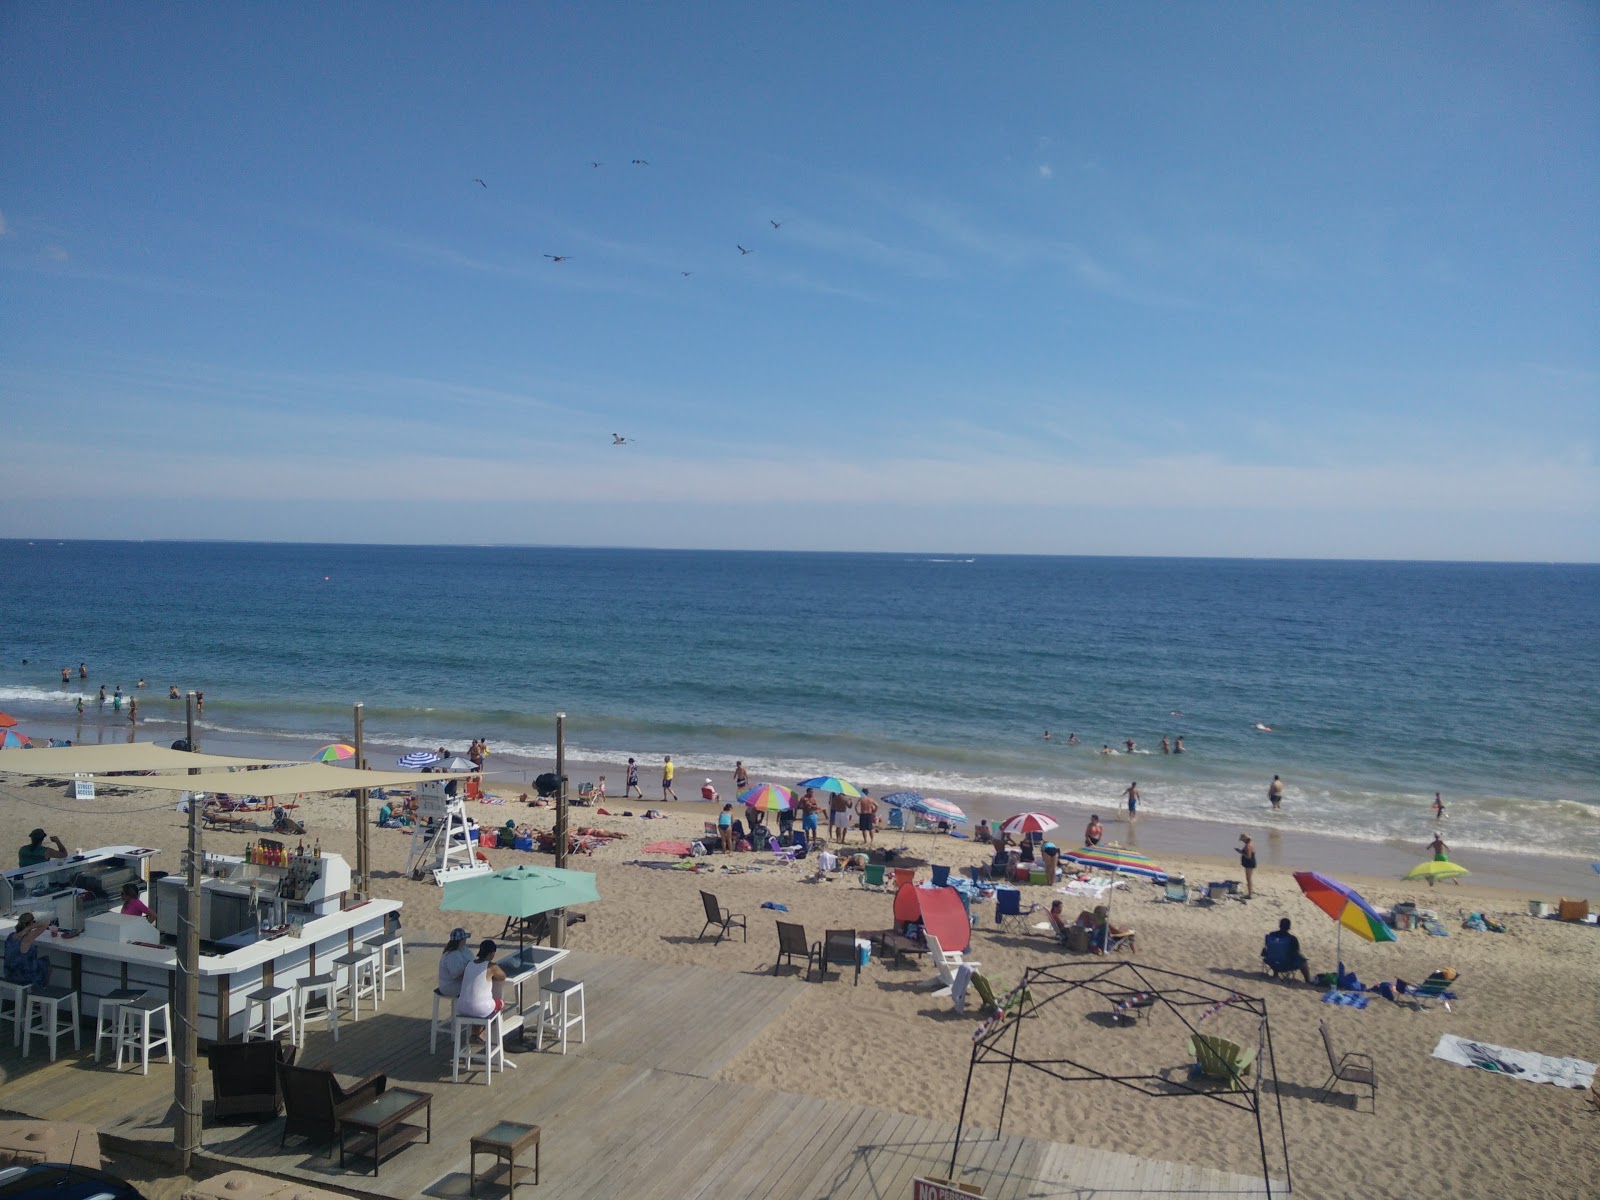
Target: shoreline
column 1518, row 876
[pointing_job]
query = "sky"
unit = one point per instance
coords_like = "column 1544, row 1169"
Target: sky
column 1250, row 279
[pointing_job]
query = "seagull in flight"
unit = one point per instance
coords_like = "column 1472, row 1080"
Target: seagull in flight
column 741, row 249
column 558, row 257
column 618, row 440
column 686, row 274
column 595, row 164
column 774, row 224
column 480, row 183
column 641, row 162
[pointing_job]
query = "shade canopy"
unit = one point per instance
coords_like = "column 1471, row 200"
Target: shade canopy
column 941, row 912
column 520, row 891
column 277, row 781
column 65, row 761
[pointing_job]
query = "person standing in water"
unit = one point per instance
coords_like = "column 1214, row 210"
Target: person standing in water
column 1133, row 800
column 1177, row 747
column 1275, row 792
column 1438, row 807
column 1247, row 862
column 633, row 781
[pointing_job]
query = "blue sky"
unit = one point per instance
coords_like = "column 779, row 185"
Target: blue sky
column 1279, row 279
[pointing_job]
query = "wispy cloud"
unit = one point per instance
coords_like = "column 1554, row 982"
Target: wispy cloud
column 1046, row 171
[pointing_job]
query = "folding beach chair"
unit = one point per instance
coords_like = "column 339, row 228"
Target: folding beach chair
column 1349, row 1067
column 1434, row 987
column 872, row 876
column 1177, row 891
column 1008, row 910
column 897, row 820
column 945, row 963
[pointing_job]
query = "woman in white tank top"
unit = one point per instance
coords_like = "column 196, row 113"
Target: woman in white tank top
column 478, row 984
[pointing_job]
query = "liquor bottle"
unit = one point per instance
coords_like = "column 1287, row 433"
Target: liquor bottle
column 317, row 851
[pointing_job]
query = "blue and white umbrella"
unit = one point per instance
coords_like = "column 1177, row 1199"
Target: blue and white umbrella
column 903, row 799
column 419, row 758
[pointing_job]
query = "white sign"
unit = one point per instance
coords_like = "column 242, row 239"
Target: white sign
column 83, row 789
column 942, row 1189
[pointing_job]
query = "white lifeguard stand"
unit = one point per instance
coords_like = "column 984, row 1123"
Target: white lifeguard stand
column 441, row 842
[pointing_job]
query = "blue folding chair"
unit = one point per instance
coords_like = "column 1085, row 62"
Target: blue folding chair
column 941, row 877
column 1008, row 910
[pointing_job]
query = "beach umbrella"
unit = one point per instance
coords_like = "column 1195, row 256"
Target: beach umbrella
column 419, row 758
column 1115, row 858
column 7, row 721
column 460, row 764
column 767, row 797
column 337, row 752
column 1028, row 823
column 1435, row 871
column 519, row 892
column 1596, row 867
column 830, row 783
column 12, row 740
column 902, row 799
column 1345, row 906
column 940, row 810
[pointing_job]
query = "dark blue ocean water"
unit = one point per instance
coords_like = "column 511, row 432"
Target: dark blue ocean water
column 1382, row 682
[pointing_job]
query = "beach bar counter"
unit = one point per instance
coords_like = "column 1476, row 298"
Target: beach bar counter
column 267, row 920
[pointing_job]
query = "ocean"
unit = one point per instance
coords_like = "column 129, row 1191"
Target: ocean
column 1381, row 683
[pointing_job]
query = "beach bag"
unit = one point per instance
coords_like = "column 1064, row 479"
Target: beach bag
column 697, row 849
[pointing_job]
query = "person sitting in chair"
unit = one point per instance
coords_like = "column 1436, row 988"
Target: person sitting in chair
column 1281, row 950
column 1058, row 922
column 1104, row 932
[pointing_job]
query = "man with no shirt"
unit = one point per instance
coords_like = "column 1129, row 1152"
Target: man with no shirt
column 839, row 817
column 1133, row 800
column 1275, row 792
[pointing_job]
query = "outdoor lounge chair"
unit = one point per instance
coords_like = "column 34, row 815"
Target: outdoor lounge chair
column 992, row 991
column 1177, row 891
column 782, row 853
column 1349, row 1067
column 1275, row 957
column 1222, row 1060
column 897, row 820
column 721, row 918
column 314, row 1100
column 244, row 1078
column 792, row 941
column 1435, row 987
column 872, row 876
column 1008, row 910
column 839, row 949
column 945, row 963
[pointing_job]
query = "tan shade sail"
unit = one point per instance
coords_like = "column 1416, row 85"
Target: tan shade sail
column 63, row 762
column 275, row 781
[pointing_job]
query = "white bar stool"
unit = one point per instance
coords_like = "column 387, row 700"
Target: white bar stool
column 135, row 1032
column 387, row 945
column 45, row 1018
column 494, row 1045
column 440, row 1026
column 105, row 1021
column 561, row 1004
column 14, row 1007
column 360, row 968
column 305, row 993
column 261, row 1013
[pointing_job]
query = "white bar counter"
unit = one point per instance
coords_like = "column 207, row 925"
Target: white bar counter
column 95, row 966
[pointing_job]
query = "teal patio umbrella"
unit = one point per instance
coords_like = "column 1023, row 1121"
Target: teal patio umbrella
column 519, row 892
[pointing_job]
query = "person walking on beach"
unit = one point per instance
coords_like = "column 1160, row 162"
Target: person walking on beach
column 1133, row 800
column 1440, row 852
column 839, row 817
column 667, row 772
column 200, row 704
column 1275, row 792
column 867, row 817
column 1438, row 807
column 1093, row 831
column 1247, row 860
column 809, row 808
column 633, row 781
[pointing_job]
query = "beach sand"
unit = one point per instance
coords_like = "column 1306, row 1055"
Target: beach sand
column 1440, row 1130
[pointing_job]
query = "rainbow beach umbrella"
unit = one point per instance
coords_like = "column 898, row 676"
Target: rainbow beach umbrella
column 12, row 740
column 1115, row 858
column 767, row 797
column 1344, row 905
column 337, row 752
column 939, row 810
column 830, row 783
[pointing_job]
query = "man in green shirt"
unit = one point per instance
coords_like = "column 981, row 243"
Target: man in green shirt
column 37, row 852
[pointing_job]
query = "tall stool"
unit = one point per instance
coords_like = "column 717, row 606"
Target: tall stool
column 14, row 1007
column 44, row 1017
column 391, row 948
column 494, row 1046
column 360, row 968
column 105, row 1022
column 561, row 1001
column 440, row 1026
column 305, row 993
column 261, row 1013
column 135, row 1032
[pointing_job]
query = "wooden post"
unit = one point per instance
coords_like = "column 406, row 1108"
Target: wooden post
column 363, row 850
column 186, row 1078
column 558, row 919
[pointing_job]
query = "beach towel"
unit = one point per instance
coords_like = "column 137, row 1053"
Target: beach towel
column 1435, row 928
column 1346, row 999
column 1094, row 888
column 1520, row 1064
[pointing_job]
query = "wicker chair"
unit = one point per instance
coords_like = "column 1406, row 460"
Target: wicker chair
column 314, row 1100
column 244, row 1078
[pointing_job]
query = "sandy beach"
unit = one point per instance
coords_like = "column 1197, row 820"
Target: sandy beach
column 1440, row 1129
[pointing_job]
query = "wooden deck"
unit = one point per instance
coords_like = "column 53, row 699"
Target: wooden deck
column 634, row 1111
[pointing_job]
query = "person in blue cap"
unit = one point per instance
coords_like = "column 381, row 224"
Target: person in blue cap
column 453, row 963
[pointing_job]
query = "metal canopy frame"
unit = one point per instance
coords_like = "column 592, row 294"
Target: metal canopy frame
column 998, row 1042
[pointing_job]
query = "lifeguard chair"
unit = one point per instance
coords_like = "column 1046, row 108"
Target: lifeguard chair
column 441, row 840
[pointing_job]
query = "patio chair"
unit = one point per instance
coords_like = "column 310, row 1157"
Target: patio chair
column 1177, row 891
column 1008, row 910
column 1222, row 1060
column 1350, row 1067
column 314, row 1100
column 721, row 918
column 872, row 876
column 839, row 949
column 792, row 941
column 945, row 963
column 244, row 1078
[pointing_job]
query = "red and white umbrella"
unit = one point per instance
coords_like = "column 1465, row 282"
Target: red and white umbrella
column 1028, row 823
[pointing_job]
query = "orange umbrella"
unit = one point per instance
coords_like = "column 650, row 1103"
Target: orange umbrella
column 7, row 721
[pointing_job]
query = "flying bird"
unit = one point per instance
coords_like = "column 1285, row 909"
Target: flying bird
column 741, row 249
column 558, row 257
column 480, row 183
column 686, row 274
column 774, row 224
column 641, row 162
column 618, row 440
column 595, row 164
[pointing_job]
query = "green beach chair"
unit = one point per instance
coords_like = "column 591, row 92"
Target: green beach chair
column 872, row 876
column 1222, row 1060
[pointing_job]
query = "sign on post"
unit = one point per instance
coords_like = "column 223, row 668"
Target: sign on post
column 942, row 1189
column 82, row 787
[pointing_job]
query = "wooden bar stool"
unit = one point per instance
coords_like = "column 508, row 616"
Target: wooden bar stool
column 494, row 1045
column 135, row 1021
column 306, row 992
column 14, row 1007
column 107, row 1016
column 562, row 1004
column 261, row 1013
column 391, row 948
column 361, row 969
column 46, row 1019
column 439, row 1026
